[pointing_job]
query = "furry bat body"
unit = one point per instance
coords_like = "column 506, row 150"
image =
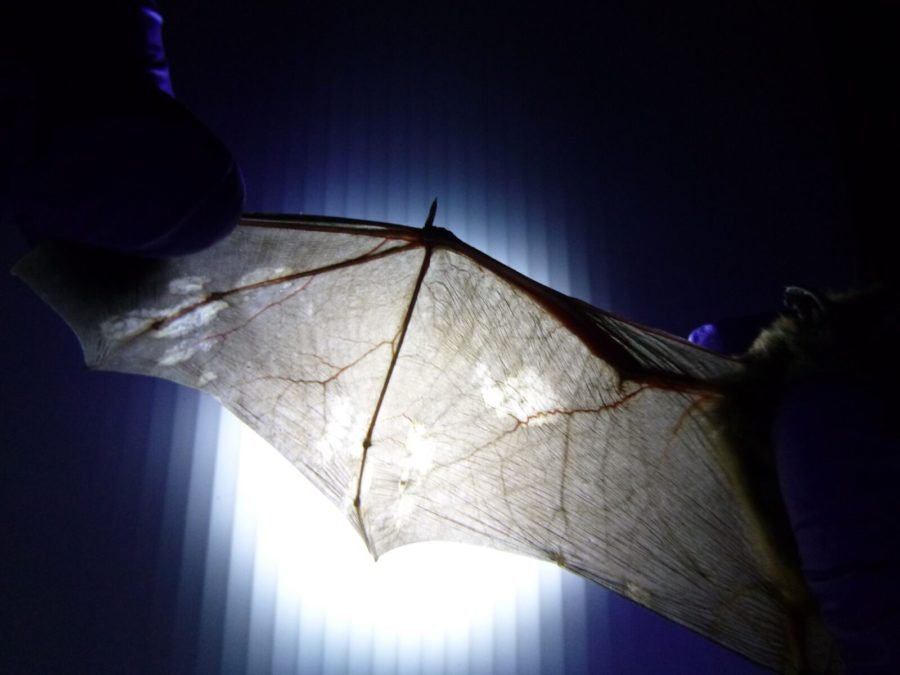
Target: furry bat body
column 433, row 393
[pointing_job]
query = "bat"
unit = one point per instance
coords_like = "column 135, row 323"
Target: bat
column 433, row 393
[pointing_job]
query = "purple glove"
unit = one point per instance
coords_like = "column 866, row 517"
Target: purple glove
column 108, row 158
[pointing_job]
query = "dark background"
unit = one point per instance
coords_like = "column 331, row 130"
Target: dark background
column 688, row 160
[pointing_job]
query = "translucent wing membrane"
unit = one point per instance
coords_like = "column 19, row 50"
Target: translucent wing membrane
column 434, row 394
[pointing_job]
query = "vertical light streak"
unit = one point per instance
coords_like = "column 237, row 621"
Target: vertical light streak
column 288, row 585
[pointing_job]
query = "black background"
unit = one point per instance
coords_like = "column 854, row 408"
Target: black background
column 711, row 153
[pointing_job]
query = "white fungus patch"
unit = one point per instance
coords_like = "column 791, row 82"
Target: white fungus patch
column 262, row 274
column 343, row 425
column 421, row 449
column 191, row 321
column 121, row 327
column 403, row 509
column 124, row 326
column 183, row 351
column 522, row 395
column 187, row 285
column 177, row 354
column 207, row 377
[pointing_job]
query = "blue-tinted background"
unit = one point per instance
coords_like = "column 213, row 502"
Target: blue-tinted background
column 673, row 164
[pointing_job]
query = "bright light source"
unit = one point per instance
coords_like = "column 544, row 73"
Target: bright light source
column 311, row 567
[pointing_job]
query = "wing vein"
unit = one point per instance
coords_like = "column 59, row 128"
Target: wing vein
column 366, row 257
column 367, row 442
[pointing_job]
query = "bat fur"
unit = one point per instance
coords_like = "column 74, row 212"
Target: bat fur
column 844, row 336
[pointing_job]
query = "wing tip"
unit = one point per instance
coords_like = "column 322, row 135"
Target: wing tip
column 432, row 211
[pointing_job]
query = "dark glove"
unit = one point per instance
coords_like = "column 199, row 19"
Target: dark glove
column 106, row 156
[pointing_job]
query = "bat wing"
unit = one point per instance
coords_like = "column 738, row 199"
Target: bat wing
column 435, row 394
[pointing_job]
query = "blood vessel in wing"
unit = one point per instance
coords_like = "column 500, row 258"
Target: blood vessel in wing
column 435, row 394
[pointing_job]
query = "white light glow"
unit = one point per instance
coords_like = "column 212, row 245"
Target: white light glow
column 310, row 563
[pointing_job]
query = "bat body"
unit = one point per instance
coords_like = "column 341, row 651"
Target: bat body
column 434, row 394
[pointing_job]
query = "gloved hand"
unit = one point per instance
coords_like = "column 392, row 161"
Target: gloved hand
column 105, row 155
